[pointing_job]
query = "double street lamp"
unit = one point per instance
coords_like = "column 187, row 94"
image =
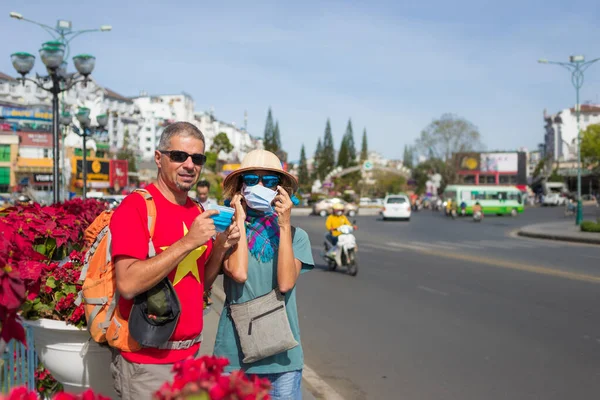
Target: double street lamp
column 62, row 35
column 85, row 131
column 576, row 66
column 57, row 81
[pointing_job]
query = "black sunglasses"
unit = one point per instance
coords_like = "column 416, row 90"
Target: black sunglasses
column 181, row 156
column 270, row 181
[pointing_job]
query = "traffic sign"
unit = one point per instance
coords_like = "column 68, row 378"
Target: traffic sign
column 367, row 165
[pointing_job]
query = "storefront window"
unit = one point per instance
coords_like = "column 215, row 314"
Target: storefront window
column 469, row 179
column 4, row 152
column 504, row 179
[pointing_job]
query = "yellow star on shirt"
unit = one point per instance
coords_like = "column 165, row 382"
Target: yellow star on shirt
column 190, row 263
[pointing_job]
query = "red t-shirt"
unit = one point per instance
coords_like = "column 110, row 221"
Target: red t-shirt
column 129, row 230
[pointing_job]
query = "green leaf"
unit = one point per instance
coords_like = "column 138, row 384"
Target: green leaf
column 40, row 308
column 40, row 248
column 51, row 282
column 70, row 289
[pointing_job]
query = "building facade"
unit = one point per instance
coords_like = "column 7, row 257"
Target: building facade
column 493, row 168
column 560, row 139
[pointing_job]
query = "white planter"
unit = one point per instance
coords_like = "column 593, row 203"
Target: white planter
column 59, row 347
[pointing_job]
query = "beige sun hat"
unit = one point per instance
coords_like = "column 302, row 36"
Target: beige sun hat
column 260, row 160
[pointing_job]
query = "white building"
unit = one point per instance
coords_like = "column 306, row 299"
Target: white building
column 560, row 140
column 157, row 112
column 124, row 116
column 239, row 138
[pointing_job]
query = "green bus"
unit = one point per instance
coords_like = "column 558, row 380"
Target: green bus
column 500, row 200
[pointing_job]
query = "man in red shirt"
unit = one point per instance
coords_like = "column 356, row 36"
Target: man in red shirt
column 186, row 253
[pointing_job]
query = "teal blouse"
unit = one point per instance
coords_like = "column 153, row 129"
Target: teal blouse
column 262, row 278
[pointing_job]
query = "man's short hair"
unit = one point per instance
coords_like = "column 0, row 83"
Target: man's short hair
column 179, row 129
column 203, row 183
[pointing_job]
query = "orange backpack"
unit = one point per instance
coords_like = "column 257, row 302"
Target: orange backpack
column 99, row 292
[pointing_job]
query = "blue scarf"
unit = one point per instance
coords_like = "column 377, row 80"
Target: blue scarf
column 262, row 231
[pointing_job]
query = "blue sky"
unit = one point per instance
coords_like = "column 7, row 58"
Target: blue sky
column 389, row 66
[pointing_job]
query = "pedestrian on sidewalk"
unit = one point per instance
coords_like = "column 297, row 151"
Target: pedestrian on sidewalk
column 187, row 260
column 269, row 257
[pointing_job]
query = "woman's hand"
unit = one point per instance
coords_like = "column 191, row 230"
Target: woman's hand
column 283, row 207
column 229, row 238
column 238, row 203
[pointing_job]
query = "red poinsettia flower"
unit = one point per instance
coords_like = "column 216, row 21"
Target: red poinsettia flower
column 12, row 288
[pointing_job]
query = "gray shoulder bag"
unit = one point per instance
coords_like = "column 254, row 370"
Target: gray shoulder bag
column 262, row 326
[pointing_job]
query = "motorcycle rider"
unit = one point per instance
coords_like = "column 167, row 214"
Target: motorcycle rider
column 477, row 209
column 333, row 222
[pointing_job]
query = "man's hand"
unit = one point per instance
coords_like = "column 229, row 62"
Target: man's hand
column 202, row 229
column 229, row 238
column 283, row 207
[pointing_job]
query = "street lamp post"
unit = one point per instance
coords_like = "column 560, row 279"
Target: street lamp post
column 57, row 81
column 576, row 66
column 62, row 33
column 86, row 130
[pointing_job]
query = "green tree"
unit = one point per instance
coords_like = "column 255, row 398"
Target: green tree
column 422, row 171
column 448, row 135
column 211, row 161
column 590, row 147
column 303, row 177
column 316, row 174
column 364, row 148
column 343, row 157
column 350, row 144
column 126, row 153
column 221, row 143
column 388, row 183
column 269, row 132
column 276, row 144
column 407, row 159
column 327, row 159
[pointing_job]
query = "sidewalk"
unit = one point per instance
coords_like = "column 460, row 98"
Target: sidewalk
column 563, row 230
column 211, row 322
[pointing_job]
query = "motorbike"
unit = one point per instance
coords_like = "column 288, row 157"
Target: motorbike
column 477, row 216
column 344, row 253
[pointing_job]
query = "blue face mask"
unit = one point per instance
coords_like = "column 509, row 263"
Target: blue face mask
column 259, row 198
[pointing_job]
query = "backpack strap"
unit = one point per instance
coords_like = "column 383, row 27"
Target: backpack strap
column 151, row 211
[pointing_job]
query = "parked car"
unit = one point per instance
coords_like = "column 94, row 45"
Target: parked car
column 554, row 199
column 396, row 207
column 324, row 207
column 112, row 200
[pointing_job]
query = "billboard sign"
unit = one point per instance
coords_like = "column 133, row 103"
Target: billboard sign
column 25, row 113
column 499, row 162
column 467, row 161
column 119, row 173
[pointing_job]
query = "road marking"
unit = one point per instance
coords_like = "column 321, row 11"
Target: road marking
column 588, row 256
column 376, row 247
column 516, row 243
column 493, row 243
column 430, row 290
column 460, row 244
column 517, row 266
column 434, row 245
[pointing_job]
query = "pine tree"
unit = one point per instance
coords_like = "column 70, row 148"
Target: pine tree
column 327, row 161
column 276, row 138
column 343, row 156
column 350, row 145
column 364, row 152
column 268, row 141
column 303, row 177
column 316, row 171
column 407, row 159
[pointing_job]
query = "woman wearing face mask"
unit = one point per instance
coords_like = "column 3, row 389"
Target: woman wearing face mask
column 270, row 255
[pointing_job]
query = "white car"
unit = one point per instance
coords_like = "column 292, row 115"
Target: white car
column 396, row 206
column 554, row 199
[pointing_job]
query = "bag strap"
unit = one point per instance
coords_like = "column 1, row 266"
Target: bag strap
column 151, row 211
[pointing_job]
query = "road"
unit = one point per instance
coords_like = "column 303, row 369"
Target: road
column 445, row 309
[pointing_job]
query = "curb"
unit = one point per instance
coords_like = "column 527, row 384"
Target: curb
column 559, row 237
column 315, row 385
